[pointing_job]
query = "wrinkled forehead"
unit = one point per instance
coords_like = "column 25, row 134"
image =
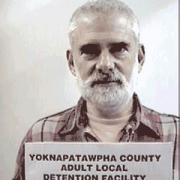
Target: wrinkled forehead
column 101, row 22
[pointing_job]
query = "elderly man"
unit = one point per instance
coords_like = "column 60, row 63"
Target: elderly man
column 106, row 58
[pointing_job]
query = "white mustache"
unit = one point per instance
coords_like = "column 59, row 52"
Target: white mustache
column 105, row 78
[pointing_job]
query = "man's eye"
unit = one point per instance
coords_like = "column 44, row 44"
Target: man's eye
column 118, row 48
column 90, row 50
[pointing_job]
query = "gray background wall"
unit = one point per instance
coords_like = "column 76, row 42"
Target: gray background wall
column 34, row 76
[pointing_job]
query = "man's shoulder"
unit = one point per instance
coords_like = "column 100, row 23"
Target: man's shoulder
column 163, row 117
column 166, row 124
column 46, row 128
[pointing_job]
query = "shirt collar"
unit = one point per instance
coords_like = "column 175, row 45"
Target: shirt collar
column 151, row 120
column 78, row 117
column 145, row 116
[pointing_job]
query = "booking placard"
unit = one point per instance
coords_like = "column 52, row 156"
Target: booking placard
column 98, row 161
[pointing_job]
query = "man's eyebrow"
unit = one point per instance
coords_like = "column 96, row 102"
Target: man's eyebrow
column 89, row 45
column 118, row 44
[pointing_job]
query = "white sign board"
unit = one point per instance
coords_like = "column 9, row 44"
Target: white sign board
column 98, row 161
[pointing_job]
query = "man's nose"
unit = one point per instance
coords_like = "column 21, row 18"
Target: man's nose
column 105, row 62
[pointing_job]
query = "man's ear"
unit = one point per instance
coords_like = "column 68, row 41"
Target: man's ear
column 70, row 59
column 141, row 56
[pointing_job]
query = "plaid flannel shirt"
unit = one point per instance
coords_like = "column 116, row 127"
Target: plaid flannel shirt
column 145, row 125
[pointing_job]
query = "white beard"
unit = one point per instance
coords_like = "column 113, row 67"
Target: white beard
column 120, row 94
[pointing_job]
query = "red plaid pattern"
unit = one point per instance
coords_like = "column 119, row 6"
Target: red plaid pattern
column 145, row 125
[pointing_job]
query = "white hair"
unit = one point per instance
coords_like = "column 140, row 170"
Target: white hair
column 107, row 7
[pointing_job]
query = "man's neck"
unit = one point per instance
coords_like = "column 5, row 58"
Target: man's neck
column 110, row 111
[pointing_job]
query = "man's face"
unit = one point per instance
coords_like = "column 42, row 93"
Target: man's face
column 105, row 58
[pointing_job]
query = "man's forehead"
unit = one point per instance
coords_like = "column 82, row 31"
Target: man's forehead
column 103, row 38
column 103, row 20
column 98, row 26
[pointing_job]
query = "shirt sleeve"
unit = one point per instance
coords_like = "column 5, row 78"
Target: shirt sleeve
column 19, row 173
column 35, row 134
